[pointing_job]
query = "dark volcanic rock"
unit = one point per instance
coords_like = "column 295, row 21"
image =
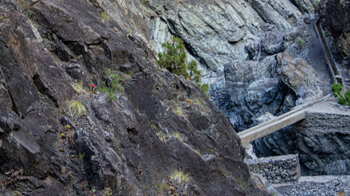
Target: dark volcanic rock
column 147, row 141
column 336, row 18
column 253, row 88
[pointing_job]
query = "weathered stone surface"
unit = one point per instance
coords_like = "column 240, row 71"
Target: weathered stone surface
column 299, row 76
column 253, row 88
column 155, row 129
column 216, row 32
column 307, row 6
column 335, row 17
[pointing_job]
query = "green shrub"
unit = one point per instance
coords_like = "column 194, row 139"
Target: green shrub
column 113, row 85
column 339, row 91
column 174, row 60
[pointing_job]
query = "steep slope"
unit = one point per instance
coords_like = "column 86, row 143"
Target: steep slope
column 160, row 135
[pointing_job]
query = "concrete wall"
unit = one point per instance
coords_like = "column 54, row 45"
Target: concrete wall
column 277, row 169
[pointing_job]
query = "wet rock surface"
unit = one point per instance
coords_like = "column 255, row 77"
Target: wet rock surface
column 160, row 135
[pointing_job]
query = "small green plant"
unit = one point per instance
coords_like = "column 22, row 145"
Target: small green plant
column 176, row 135
column 81, row 155
column 174, row 60
column 113, row 85
column 242, row 183
column 339, row 91
column 144, row 1
column 107, row 191
column 179, row 111
column 2, row 19
column 180, row 176
column 105, row 16
column 301, row 42
column 78, row 87
column 76, row 108
column 154, row 126
column 162, row 136
column 63, row 135
column 327, row 34
column 225, row 171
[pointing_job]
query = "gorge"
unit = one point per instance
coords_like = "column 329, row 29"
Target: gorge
column 85, row 110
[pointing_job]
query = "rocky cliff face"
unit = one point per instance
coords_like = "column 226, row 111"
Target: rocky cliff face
column 160, row 135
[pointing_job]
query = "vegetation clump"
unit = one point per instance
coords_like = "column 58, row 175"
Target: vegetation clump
column 301, row 42
column 113, row 85
column 76, row 108
column 343, row 96
column 180, row 176
column 174, row 60
column 79, row 87
column 105, row 16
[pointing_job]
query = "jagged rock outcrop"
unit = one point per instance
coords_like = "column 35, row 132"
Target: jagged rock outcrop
column 299, row 76
column 215, row 32
column 281, row 142
column 336, row 18
column 323, row 143
column 254, row 88
column 307, row 6
column 275, row 78
column 159, row 135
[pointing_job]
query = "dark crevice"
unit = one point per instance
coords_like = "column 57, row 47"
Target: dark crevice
column 14, row 107
column 43, row 89
column 76, row 47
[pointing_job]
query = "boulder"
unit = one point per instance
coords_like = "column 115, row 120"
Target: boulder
column 299, row 76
